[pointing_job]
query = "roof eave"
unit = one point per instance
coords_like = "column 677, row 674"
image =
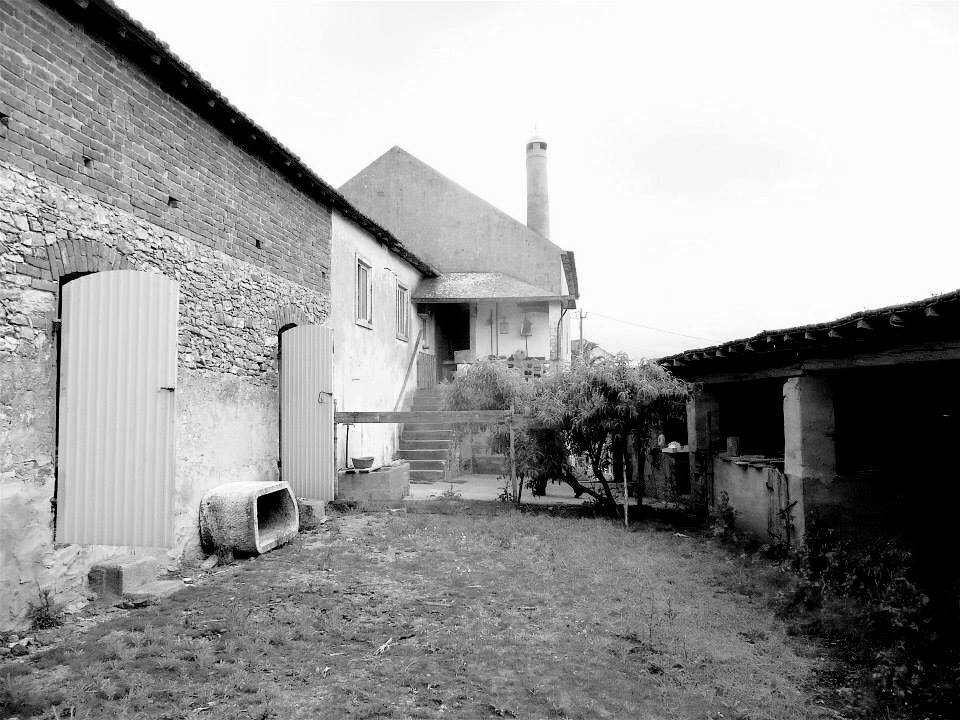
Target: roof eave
column 523, row 299
column 569, row 263
column 882, row 324
column 136, row 43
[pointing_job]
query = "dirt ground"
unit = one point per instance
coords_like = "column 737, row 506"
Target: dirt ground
column 452, row 610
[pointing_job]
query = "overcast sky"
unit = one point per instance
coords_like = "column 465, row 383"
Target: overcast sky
column 719, row 168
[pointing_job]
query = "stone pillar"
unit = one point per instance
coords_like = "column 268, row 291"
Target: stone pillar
column 703, row 439
column 703, row 422
column 809, row 449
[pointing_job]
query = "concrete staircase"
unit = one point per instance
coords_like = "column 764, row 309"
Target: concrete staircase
column 426, row 446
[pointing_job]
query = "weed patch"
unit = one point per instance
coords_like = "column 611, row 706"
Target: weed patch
column 477, row 611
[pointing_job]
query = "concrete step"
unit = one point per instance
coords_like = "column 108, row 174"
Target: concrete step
column 122, row 575
column 417, row 443
column 427, row 464
column 422, row 454
column 427, row 434
column 427, row 476
column 426, row 427
column 152, row 592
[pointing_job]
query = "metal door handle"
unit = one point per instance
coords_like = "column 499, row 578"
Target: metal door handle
column 168, row 389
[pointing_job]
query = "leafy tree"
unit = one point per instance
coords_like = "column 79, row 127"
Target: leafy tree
column 588, row 410
column 597, row 407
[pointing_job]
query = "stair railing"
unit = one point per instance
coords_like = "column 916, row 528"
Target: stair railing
column 406, row 378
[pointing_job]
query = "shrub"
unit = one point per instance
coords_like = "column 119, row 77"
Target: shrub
column 588, row 410
column 44, row 613
column 887, row 615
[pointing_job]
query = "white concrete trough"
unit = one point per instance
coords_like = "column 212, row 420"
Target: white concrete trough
column 248, row 517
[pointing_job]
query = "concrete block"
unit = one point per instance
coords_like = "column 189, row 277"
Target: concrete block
column 153, row 592
column 249, row 517
column 386, row 487
column 312, row 513
column 122, row 575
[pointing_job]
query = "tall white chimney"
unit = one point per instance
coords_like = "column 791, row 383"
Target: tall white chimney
column 538, row 205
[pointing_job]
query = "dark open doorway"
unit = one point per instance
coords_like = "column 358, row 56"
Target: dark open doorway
column 452, row 329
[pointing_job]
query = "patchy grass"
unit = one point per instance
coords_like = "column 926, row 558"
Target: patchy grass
column 475, row 613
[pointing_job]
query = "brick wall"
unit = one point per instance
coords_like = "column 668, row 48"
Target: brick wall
column 90, row 152
column 77, row 114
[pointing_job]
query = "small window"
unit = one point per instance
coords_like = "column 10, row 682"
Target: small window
column 364, row 299
column 403, row 312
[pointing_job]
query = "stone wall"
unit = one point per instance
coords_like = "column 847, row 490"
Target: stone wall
column 102, row 167
column 230, row 314
column 79, row 114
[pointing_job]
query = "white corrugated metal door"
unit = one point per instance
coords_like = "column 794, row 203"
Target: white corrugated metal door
column 306, row 410
column 118, row 371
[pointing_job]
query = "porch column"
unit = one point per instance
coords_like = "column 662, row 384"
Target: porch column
column 808, row 430
column 703, row 439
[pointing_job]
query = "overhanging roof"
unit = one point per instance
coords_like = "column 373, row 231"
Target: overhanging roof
column 570, row 272
column 116, row 29
column 472, row 286
column 916, row 325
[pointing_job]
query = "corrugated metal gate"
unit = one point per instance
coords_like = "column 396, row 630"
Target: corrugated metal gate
column 118, row 371
column 306, row 411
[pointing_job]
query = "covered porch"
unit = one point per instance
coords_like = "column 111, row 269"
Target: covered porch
column 489, row 315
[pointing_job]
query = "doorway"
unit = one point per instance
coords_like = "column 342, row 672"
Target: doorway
column 452, row 333
column 116, row 409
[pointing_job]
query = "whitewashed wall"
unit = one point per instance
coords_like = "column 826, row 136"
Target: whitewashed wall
column 369, row 364
column 537, row 344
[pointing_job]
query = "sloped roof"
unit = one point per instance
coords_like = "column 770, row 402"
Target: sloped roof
column 450, row 227
column 470, row 286
column 118, row 30
column 914, row 322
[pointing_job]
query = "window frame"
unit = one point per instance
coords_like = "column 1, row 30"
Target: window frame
column 365, row 296
column 402, row 296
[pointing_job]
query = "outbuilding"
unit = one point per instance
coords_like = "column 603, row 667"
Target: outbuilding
column 847, row 425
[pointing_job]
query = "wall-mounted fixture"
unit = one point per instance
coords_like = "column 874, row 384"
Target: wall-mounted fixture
column 526, row 327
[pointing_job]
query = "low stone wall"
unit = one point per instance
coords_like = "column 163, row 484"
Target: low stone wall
column 747, row 489
column 386, row 487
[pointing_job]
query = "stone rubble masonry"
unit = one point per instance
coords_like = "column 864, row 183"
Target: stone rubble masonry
column 81, row 116
column 230, row 313
column 101, row 169
column 230, row 310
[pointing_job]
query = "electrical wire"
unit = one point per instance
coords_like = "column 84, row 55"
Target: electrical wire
column 651, row 327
